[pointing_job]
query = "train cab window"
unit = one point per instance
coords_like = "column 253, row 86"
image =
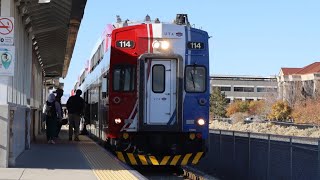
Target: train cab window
column 195, row 79
column 158, row 78
column 123, row 78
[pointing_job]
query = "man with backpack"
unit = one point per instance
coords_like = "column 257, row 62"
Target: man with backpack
column 75, row 106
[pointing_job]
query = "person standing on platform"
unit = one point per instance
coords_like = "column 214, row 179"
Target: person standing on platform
column 75, row 106
column 51, row 118
column 59, row 111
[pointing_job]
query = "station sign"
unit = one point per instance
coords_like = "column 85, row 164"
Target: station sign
column 7, row 58
column 6, row 31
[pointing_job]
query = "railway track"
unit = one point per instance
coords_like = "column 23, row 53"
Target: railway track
column 173, row 173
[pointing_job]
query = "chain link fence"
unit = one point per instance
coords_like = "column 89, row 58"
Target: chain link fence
column 240, row 155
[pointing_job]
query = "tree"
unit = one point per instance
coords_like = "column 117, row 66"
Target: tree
column 218, row 103
column 280, row 111
column 257, row 107
column 307, row 112
column 237, row 107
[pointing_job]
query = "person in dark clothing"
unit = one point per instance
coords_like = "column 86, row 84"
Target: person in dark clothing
column 59, row 112
column 75, row 106
column 51, row 118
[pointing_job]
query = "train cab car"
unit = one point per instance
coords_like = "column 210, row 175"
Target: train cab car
column 157, row 85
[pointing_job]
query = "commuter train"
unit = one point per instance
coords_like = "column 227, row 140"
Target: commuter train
column 146, row 88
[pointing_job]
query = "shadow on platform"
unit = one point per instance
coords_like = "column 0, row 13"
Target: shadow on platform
column 64, row 154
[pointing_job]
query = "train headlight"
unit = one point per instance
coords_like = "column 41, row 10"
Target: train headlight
column 117, row 120
column 161, row 45
column 201, row 122
column 165, row 45
column 156, row 44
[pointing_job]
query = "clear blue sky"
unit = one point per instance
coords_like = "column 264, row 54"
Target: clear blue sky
column 249, row 37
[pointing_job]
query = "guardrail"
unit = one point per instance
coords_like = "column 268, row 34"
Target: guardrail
column 242, row 155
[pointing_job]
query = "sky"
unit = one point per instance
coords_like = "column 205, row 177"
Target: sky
column 248, row 37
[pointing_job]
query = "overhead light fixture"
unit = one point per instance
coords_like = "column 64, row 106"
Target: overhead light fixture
column 29, row 30
column 27, row 20
column 35, row 42
column 23, row 10
column 44, row 1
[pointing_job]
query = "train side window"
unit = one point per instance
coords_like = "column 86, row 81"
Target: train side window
column 158, row 78
column 105, row 85
column 123, row 78
column 195, row 79
column 107, row 78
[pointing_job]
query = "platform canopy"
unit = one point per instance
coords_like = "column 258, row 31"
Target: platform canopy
column 54, row 26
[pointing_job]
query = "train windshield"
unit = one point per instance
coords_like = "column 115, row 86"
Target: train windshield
column 123, row 78
column 195, row 79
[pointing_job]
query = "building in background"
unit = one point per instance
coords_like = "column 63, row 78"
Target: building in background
column 299, row 83
column 245, row 88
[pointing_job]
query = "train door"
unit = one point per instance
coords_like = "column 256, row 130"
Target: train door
column 161, row 92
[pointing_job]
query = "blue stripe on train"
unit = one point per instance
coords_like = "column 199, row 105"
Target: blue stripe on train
column 192, row 109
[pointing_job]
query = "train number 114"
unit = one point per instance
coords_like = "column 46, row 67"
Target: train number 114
column 125, row 44
column 195, row 45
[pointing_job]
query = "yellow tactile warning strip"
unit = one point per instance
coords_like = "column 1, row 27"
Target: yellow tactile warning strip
column 174, row 160
column 103, row 165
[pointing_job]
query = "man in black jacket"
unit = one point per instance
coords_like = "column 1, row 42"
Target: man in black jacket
column 75, row 105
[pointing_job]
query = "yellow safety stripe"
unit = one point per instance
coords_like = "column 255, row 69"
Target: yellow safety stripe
column 132, row 159
column 103, row 164
column 165, row 160
column 153, row 160
column 120, row 156
column 197, row 157
column 175, row 160
column 143, row 159
column 186, row 159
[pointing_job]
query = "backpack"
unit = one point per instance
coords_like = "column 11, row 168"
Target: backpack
column 50, row 109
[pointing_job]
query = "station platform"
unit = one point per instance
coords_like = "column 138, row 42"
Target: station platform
column 84, row 160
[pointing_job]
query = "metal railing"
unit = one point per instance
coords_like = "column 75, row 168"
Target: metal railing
column 241, row 155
